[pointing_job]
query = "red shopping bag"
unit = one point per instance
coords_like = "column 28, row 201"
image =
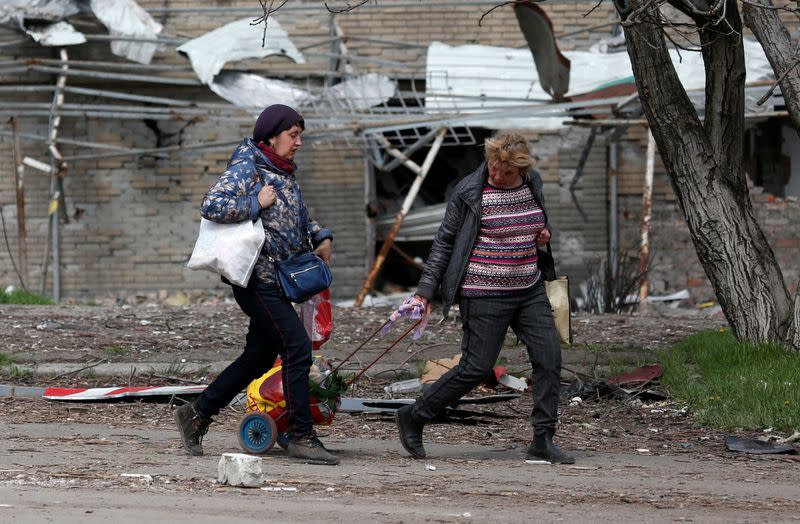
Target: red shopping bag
column 317, row 318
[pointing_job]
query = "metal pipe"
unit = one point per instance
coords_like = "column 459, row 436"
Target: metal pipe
column 613, row 173
column 124, row 38
column 103, row 107
column 19, row 184
column 57, row 167
column 389, row 239
column 127, row 115
column 306, row 7
column 400, row 157
column 368, row 60
column 410, row 150
column 135, row 98
column 393, row 43
column 136, row 152
column 647, row 192
column 119, row 76
column 120, row 96
column 12, row 43
column 127, row 66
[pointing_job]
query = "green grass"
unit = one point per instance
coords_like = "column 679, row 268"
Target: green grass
column 116, row 351
column 5, row 360
column 19, row 296
column 735, row 385
column 19, row 374
column 171, row 370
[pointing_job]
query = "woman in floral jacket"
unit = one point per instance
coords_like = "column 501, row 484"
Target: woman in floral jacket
column 260, row 183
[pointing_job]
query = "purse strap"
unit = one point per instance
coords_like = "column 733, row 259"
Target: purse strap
column 302, row 217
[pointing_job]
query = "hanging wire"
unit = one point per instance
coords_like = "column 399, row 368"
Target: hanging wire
column 8, row 248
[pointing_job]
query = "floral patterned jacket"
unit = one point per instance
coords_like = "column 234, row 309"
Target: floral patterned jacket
column 287, row 226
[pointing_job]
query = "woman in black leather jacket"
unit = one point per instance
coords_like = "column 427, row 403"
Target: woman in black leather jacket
column 486, row 256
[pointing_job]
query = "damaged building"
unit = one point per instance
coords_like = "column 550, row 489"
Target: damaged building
column 119, row 115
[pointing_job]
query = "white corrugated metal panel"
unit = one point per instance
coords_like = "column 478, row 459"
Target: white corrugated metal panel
column 419, row 224
column 236, row 41
column 474, row 79
column 363, row 92
column 256, row 92
column 127, row 18
column 50, row 10
column 58, row 34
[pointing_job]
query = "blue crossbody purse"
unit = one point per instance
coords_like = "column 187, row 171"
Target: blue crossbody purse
column 303, row 275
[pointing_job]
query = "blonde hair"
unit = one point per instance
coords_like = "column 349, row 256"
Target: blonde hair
column 510, row 148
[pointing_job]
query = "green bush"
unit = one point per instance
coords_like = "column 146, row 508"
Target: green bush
column 731, row 384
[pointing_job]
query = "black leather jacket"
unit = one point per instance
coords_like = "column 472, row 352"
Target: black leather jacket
column 452, row 245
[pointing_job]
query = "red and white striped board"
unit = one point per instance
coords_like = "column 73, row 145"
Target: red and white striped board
column 80, row 394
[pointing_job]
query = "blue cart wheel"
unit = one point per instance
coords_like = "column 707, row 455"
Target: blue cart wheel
column 257, row 433
column 283, row 440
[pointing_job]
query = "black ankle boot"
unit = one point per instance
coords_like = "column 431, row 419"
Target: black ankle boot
column 410, row 432
column 543, row 448
column 192, row 427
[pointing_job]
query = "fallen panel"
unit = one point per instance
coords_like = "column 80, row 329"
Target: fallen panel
column 127, row 18
column 236, row 41
column 83, row 394
column 50, row 10
column 757, row 447
column 363, row 92
column 552, row 66
column 475, row 79
column 419, row 224
column 58, row 34
column 257, row 92
column 382, row 405
column 638, row 376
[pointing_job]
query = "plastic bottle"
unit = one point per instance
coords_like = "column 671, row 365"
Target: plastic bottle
column 404, row 386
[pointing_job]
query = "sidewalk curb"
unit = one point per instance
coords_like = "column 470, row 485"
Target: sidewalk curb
column 21, row 391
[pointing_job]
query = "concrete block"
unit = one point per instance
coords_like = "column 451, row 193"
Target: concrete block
column 238, row 469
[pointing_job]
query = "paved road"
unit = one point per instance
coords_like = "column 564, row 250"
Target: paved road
column 72, row 471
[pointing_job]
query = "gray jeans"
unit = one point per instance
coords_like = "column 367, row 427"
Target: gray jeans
column 485, row 323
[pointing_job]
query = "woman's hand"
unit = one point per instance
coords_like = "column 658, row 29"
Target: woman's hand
column 324, row 250
column 424, row 301
column 266, row 197
column 543, row 237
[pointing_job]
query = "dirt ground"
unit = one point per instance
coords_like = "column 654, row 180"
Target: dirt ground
column 638, row 459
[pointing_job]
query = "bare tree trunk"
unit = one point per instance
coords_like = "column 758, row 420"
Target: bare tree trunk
column 705, row 168
column 793, row 336
column 783, row 54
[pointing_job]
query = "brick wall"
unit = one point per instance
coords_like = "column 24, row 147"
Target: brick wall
column 133, row 220
column 674, row 262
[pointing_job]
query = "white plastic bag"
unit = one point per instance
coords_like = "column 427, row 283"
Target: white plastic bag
column 558, row 295
column 230, row 250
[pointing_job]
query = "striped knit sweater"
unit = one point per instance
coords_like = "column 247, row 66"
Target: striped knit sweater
column 503, row 259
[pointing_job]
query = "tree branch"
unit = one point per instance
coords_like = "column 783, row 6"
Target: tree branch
column 781, row 51
column 267, row 10
column 347, row 8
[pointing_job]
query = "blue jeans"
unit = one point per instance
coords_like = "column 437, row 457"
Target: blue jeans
column 275, row 329
column 485, row 322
